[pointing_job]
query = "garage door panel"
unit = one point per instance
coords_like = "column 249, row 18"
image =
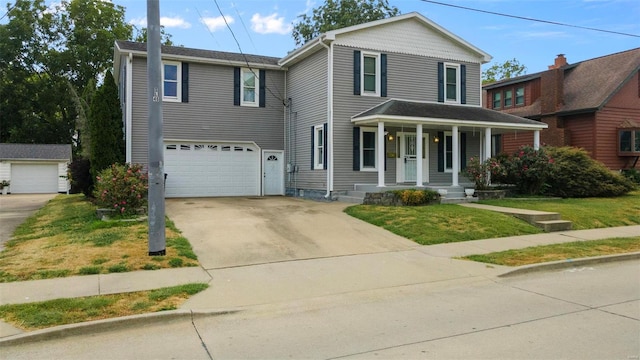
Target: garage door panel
column 199, row 170
column 34, row 178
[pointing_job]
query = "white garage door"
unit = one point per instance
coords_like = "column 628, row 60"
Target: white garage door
column 36, row 178
column 211, row 169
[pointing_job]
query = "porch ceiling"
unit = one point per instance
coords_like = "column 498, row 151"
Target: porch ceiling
column 439, row 115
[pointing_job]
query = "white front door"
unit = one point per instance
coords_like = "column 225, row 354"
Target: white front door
column 273, row 172
column 408, row 156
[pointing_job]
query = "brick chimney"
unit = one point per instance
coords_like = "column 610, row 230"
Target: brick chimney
column 559, row 62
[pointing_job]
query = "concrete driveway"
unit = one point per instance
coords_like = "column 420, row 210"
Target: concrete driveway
column 231, row 232
column 15, row 209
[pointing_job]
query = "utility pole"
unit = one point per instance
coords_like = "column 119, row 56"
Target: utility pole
column 157, row 241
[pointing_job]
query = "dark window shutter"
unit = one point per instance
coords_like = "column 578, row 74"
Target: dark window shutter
column 383, row 75
column 356, row 72
column 441, row 151
column 356, row 149
column 263, row 82
column 313, row 146
column 326, row 145
column 185, row 82
column 440, row 82
column 463, row 151
column 463, row 84
column 236, row 86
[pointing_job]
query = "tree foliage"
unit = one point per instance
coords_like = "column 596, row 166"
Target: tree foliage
column 165, row 38
column 506, row 70
column 336, row 14
column 48, row 54
column 105, row 127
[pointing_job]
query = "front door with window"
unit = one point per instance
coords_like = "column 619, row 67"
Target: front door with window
column 408, row 160
column 273, row 172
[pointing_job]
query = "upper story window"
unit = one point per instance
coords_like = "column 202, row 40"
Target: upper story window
column 497, row 100
column 370, row 74
column 520, row 95
column 171, row 79
column 452, row 82
column 250, row 84
column 508, row 98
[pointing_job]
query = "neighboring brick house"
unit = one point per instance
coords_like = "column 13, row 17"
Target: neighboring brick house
column 393, row 102
column 593, row 104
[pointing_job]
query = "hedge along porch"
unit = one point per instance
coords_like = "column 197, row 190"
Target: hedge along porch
column 446, row 125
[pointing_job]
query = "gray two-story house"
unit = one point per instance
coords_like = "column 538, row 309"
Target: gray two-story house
column 394, row 102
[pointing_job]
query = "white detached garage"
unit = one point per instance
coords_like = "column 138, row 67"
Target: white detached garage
column 35, row 168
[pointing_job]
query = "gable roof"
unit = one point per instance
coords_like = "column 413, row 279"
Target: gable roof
column 319, row 42
column 60, row 152
column 588, row 85
column 444, row 114
column 197, row 55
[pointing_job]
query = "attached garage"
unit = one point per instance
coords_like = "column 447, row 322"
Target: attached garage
column 211, row 169
column 35, row 168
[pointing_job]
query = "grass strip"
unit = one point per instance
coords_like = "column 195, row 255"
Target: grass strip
column 58, row 312
column 557, row 252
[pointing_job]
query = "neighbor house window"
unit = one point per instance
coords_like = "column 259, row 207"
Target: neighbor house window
column 319, row 148
column 452, row 82
column 370, row 74
column 629, row 142
column 368, row 149
column 171, row 74
column 249, row 88
column 508, row 98
column 497, row 100
column 520, row 96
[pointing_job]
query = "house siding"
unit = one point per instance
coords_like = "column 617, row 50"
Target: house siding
column 307, row 88
column 210, row 114
column 607, row 122
column 409, row 77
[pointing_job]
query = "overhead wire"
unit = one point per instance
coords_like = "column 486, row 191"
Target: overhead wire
column 530, row 19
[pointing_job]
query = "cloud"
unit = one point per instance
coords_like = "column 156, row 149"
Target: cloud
column 215, row 23
column 270, row 24
column 167, row 22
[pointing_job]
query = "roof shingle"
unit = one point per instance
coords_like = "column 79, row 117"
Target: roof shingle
column 35, row 152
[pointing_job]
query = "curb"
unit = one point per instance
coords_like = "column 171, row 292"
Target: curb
column 564, row 264
column 105, row 325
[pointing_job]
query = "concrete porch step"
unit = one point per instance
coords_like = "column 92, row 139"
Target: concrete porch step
column 554, row 225
column 350, row 199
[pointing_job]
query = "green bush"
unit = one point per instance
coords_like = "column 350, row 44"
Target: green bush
column 527, row 169
column 415, row 197
column 123, row 188
column 632, row 174
column 79, row 175
column 577, row 175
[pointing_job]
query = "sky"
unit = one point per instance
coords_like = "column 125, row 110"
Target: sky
column 263, row 27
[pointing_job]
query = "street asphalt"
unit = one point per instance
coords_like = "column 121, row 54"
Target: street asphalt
column 308, row 272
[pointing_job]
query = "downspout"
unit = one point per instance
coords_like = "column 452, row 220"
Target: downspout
column 329, row 117
column 128, row 109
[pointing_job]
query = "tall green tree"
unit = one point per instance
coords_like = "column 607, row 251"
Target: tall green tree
column 105, row 127
column 165, row 38
column 506, row 70
column 336, row 14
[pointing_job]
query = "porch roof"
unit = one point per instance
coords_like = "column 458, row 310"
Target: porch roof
column 395, row 111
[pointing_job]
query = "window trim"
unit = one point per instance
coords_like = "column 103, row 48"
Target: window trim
column 178, row 81
column 497, row 101
column 510, row 98
column 634, row 139
column 378, row 74
column 256, row 88
column 375, row 148
column 515, row 103
column 458, row 84
column 318, row 136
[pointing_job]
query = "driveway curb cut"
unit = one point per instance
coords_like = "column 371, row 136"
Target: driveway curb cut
column 564, row 264
column 99, row 326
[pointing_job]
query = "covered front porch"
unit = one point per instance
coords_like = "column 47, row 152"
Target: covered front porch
column 428, row 144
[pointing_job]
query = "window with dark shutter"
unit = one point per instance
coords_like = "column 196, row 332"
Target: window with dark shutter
column 185, row 82
column 356, row 72
column 356, row 149
column 236, row 86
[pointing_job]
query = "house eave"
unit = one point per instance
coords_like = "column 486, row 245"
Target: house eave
column 394, row 119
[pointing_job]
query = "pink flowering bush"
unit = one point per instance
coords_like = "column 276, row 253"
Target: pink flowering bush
column 122, row 188
column 527, row 169
column 481, row 172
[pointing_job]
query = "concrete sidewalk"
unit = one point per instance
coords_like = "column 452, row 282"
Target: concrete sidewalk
column 241, row 287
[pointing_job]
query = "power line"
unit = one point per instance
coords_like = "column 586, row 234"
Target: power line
column 531, row 19
column 243, row 25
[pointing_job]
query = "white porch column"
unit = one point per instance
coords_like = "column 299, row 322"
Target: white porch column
column 487, row 144
column 536, row 140
column 419, row 152
column 455, row 166
column 381, row 154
